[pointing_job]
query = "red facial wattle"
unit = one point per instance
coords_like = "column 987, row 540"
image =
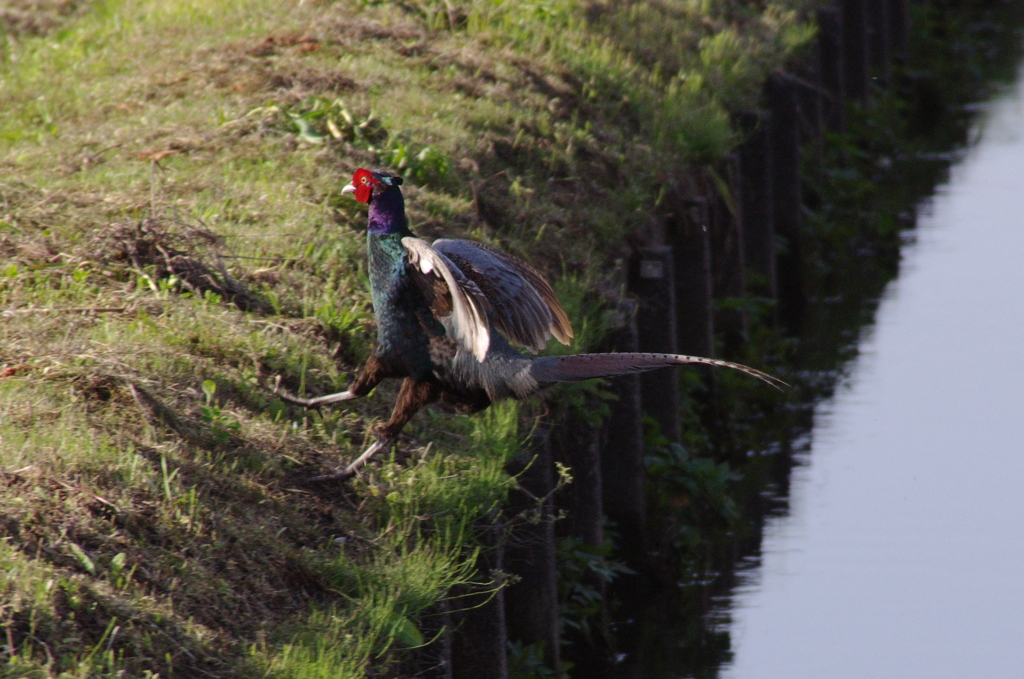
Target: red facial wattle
column 364, row 181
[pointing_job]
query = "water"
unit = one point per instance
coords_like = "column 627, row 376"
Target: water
column 903, row 552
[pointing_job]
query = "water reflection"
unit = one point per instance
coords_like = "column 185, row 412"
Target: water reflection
column 902, row 552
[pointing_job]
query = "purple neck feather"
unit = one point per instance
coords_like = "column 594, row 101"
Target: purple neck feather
column 387, row 213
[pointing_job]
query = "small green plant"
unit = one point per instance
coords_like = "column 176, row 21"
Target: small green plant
column 695, row 496
column 583, row 572
column 83, row 558
column 222, row 427
column 317, row 120
column 423, row 165
column 526, row 661
column 341, row 319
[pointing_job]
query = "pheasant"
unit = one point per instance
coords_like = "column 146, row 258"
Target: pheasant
column 447, row 314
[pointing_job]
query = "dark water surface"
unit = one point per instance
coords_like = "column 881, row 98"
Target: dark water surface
column 902, row 554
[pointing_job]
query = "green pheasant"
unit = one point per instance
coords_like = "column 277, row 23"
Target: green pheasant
column 447, row 315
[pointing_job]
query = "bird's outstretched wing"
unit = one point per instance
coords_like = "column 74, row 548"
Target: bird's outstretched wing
column 523, row 307
column 450, row 292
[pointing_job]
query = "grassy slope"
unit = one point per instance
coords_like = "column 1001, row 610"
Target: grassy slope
column 153, row 505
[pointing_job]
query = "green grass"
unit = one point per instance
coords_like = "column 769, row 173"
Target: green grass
column 160, row 160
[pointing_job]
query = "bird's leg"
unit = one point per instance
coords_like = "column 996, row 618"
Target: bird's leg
column 372, row 374
column 412, row 396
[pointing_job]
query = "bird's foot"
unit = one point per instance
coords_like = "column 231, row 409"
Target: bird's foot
column 350, row 471
column 310, row 402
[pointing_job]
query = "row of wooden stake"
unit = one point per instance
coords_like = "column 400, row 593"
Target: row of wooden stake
column 713, row 244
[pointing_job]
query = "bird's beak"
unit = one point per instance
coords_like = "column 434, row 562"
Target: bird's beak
column 349, row 188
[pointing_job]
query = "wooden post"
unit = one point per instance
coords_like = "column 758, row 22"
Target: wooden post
column 879, row 40
column 855, row 53
column 830, row 40
column 809, row 100
column 622, row 453
column 899, row 29
column 728, row 266
column 688, row 231
column 787, row 198
column 652, row 281
column 433, row 661
column 478, row 642
column 756, row 204
column 575, row 442
column 531, row 604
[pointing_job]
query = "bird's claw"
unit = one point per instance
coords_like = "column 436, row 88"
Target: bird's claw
column 309, row 402
column 350, row 471
column 285, row 396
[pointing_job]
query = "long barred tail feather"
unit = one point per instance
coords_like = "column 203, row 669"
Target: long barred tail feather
column 551, row 369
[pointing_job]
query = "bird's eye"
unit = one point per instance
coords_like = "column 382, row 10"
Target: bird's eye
column 365, row 180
